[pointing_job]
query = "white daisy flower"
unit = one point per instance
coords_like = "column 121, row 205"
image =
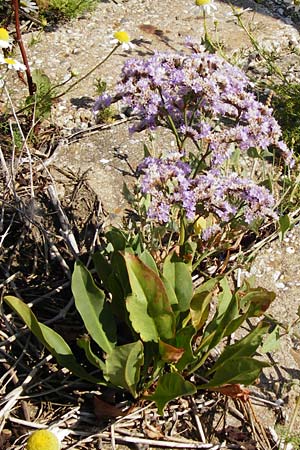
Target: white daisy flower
column 28, row 6
column 5, row 39
column 206, row 6
column 121, row 37
column 12, row 64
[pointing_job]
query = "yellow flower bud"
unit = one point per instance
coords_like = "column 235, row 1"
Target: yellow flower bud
column 200, row 225
column 42, row 440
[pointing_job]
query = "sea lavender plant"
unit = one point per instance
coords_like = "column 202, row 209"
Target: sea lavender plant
column 205, row 100
column 201, row 97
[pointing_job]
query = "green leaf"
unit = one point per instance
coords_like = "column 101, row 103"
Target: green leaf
column 42, row 82
column 245, row 347
column 227, row 311
column 102, row 266
column 184, row 339
column 199, row 309
column 56, row 345
column 284, row 225
column 85, row 343
column 224, row 298
column 257, row 300
column 170, row 293
column 42, row 98
column 272, row 341
column 179, row 277
column 140, row 319
column 150, row 310
column 169, row 387
column 117, row 238
column 146, row 151
column 243, row 370
column 148, row 260
column 123, row 366
column 89, row 301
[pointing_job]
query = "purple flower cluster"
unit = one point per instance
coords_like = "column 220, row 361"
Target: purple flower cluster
column 203, row 97
column 169, row 183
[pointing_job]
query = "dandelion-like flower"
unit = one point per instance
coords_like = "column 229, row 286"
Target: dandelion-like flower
column 13, row 64
column 5, row 39
column 121, row 37
column 206, row 6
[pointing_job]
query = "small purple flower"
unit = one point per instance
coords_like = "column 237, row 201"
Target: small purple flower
column 102, row 102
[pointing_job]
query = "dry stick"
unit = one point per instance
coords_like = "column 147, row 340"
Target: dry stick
column 5, row 169
column 24, row 140
column 257, row 428
column 159, row 443
column 13, row 396
column 65, row 230
column 22, row 48
column 197, row 420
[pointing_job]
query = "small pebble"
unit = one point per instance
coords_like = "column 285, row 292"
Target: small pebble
column 290, row 250
column 276, row 275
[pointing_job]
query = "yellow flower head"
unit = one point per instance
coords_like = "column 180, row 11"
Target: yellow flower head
column 206, row 6
column 12, row 63
column 202, row 2
column 5, row 41
column 122, row 37
column 42, row 440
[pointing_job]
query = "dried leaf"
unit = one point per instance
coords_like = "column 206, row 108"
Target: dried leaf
column 234, row 391
column 170, row 353
column 104, row 410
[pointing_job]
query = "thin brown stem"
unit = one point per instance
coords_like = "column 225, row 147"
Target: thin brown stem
column 30, row 83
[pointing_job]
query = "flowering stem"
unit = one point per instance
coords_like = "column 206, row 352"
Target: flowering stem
column 31, row 87
column 209, row 44
column 205, row 26
column 272, row 66
column 90, row 71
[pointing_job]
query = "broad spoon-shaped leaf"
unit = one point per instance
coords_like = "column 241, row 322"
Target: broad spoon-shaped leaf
column 89, row 301
column 169, row 387
column 56, row 345
column 149, row 307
